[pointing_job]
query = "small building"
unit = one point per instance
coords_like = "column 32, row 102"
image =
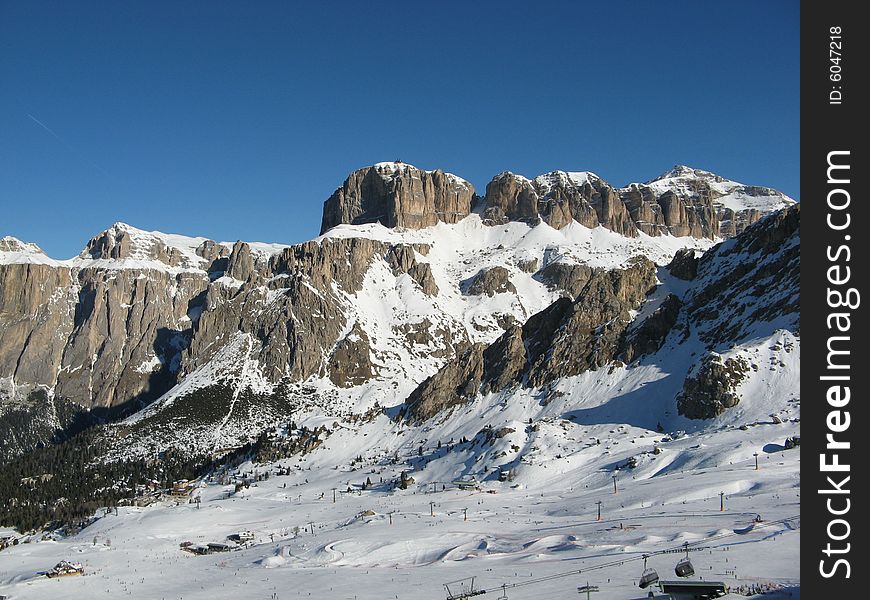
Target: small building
column 466, row 484
column 182, row 488
column 218, row 547
column 693, row 590
column 242, row 536
column 66, row 568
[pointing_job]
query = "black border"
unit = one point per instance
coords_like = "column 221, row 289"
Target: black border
column 827, row 127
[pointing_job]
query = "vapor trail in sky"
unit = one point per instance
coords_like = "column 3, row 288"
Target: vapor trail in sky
column 67, row 145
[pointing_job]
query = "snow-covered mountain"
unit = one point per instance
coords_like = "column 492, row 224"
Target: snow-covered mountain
column 551, row 331
column 736, row 205
column 411, row 270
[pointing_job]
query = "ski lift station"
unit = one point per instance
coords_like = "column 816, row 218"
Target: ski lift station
column 469, row 483
column 693, row 590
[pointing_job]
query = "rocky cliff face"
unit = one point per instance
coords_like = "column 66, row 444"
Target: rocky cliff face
column 115, row 326
column 567, row 338
column 682, row 202
column 99, row 337
column 721, row 206
column 398, row 195
column 138, row 313
column 752, row 278
column 742, row 289
column 558, row 198
column 294, row 308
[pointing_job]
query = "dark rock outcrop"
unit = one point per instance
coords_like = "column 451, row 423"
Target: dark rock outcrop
column 491, row 281
column 402, row 260
column 557, row 199
column 566, row 277
column 560, row 198
column 398, row 195
column 241, row 263
column 350, row 363
column 589, row 332
column 511, row 197
column 529, row 265
column 340, row 260
column 563, row 198
column 711, row 391
column 684, row 265
column 651, row 334
column 453, row 384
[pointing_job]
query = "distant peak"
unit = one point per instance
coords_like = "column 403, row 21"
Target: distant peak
column 13, row 244
column 513, row 175
column 394, row 165
column 685, row 171
column 121, row 226
column 577, row 178
column 405, row 196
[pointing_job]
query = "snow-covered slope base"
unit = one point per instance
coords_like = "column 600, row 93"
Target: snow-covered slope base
column 345, row 490
column 382, row 543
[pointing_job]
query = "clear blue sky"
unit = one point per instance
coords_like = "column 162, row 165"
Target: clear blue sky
column 236, row 120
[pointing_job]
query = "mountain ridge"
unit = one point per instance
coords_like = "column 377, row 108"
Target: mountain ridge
column 137, row 313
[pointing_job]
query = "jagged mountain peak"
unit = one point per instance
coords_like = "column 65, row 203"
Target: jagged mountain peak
column 512, row 175
column 13, row 244
column 397, row 194
column 566, row 178
column 692, row 182
column 684, row 201
column 396, row 168
column 686, row 171
column 15, row 251
column 124, row 242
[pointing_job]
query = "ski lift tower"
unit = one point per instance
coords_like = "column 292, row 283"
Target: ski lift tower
column 462, row 589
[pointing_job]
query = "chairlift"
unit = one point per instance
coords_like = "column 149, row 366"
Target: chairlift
column 684, row 568
column 648, row 577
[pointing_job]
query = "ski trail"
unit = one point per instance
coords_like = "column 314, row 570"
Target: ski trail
column 237, row 391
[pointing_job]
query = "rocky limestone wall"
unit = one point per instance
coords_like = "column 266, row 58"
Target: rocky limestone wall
column 37, row 305
column 752, row 278
column 100, row 338
column 559, row 200
column 684, row 265
column 510, row 197
column 118, row 335
column 402, row 260
column 491, row 281
column 398, row 195
column 567, row 338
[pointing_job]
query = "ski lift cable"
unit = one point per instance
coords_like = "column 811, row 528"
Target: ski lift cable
column 682, row 547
